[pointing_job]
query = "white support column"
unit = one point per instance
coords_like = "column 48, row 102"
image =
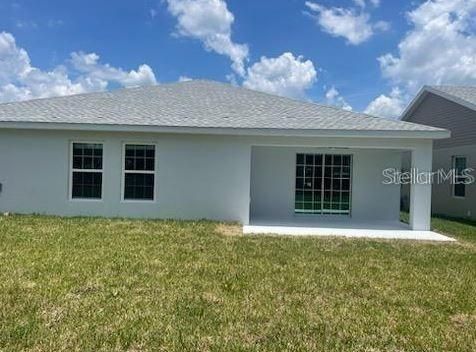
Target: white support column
column 420, row 192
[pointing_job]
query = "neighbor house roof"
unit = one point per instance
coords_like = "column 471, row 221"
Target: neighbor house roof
column 463, row 95
column 202, row 106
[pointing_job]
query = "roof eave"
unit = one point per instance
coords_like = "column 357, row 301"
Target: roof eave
column 422, row 95
column 452, row 98
column 430, row 134
column 414, row 103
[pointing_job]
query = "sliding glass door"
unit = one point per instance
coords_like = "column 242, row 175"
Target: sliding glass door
column 323, row 184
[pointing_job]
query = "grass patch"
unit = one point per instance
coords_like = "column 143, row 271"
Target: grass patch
column 82, row 284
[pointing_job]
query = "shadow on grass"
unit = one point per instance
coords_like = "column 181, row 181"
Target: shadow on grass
column 459, row 220
column 405, row 217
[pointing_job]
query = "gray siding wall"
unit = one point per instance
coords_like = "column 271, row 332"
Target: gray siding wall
column 461, row 121
column 439, row 112
column 443, row 200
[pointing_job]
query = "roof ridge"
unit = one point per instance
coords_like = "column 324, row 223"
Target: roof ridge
column 199, row 80
column 99, row 92
column 208, row 103
column 295, row 100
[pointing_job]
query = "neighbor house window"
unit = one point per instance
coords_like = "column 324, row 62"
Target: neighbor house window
column 139, row 172
column 459, row 165
column 323, row 184
column 86, row 171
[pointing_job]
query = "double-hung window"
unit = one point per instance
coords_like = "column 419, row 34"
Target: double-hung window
column 86, row 170
column 459, row 186
column 139, row 172
column 323, row 184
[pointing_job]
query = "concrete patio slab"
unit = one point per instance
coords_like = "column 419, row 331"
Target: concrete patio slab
column 400, row 231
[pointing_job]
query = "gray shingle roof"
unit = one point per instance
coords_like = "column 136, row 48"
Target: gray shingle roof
column 465, row 94
column 197, row 104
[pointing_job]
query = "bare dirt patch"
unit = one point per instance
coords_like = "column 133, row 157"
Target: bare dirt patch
column 229, row 230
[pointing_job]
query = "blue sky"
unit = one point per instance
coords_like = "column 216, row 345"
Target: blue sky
column 333, row 47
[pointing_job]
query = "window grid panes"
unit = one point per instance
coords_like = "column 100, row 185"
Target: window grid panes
column 86, row 174
column 459, row 165
column 323, row 184
column 139, row 172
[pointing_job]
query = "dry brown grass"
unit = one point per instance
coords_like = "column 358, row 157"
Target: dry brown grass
column 229, row 230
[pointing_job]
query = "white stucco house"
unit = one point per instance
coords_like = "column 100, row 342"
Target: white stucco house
column 203, row 149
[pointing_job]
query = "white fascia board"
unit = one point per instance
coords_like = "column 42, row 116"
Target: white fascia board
column 413, row 104
column 435, row 134
column 422, row 95
column 452, row 98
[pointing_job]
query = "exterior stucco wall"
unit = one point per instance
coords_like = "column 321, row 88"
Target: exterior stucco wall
column 273, row 183
column 443, row 201
column 198, row 176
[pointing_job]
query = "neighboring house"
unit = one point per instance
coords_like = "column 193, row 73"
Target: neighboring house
column 202, row 149
column 452, row 108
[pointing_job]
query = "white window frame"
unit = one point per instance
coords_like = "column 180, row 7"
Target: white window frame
column 453, row 165
column 72, row 170
column 124, row 172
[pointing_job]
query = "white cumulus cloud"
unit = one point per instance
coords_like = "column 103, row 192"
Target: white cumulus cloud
column 210, row 22
column 20, row 80
column 376, row 3
column 363, row 3
column 285, row 75
column 440, row 48
column 360, row 3
column 185, row 79
column 88, row 63
column 352, row 24
column 333, row 97
column 390, row 105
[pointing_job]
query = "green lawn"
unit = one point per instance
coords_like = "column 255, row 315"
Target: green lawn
column 123, row 285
